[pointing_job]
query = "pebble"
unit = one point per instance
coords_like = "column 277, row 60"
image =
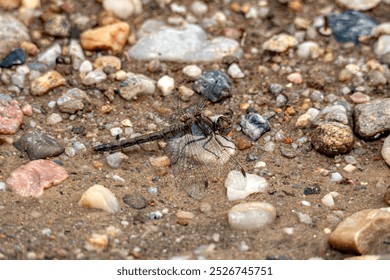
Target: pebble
column 123, row 9
column 251, row 215
column 386, row 150
column 72, row 100
column 364, row 232
column 159, row 161
column 57, row 25
column 358, row 5
column 235, row 71
column 381, row 29
column 156, row 215
column 118, row 179
column 75, row 148
column 328, row 199
column 54, row 118
column 336, row 177
column 50, row 55
column 243, row 143
column 77, row 54
column 381, row 46
column 3, row 186
column 38, row 145
column 135, row 200
column 16, row 57
column 386, row 197
column 214, row 85
column 349, row 168
column 115, row 131
column 187, row 43
column 12, row 32
column 115, row 160
column 108, row 61
column 11, row 116
column 303, row 217
column 350, row 25
column 192, row 71
column 27, row 110
column 372, row 119
column 306, row 119
column 110, row 37
column 295, row 78
column 166, row 84
column 269, row 147
column 97, row 242
column 94, row 77
column 280, row 43
column 46, row 83
column 32, row 178
column 86, row 67
column 309, row 50
column 136, row 84
column 198, row 8
column 254, row 125
column 281, row 101
column 254, row 184
column 100, row 197
column 332, row 113
column 359, row 97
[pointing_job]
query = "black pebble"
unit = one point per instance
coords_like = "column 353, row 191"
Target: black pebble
column 16, row 57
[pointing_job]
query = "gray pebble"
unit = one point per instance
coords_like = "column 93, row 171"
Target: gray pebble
column 72, row 100
column 275, row 88
column 135, row 200
column 136, row 84
column 386, row 150
column 214, row 85
column 50, row 55
column 57, row 25
column 254, row 125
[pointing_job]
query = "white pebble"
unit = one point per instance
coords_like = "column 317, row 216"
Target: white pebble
column 288, row 230
column 116, row 131
column 336, row 177
column 155, row 215
column 86, row 67
column 115, row 160
column 178, row 8
column 235, row 72
column 118, row 178
column 328, row 200
column 260, row 164
column 94, row 77
column 123, row 9
column 51, row 104
column 199, row 8
column 254, row 184
column 54, row 118
column 46, row 232
column 3, row 186
column 243, row 246
column 100, row 197
column 251, row 215
column 303, row 218
column 349, row 168
column 305, row 203
column 166, row 84
column 269, row 147
column 192, row 71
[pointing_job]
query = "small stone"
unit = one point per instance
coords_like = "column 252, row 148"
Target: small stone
column 364, row 232
column 333, row 113
column 72, row 100
column 251, row 215
column 336, row 177
column 166, row 84
column 94, row 77
column 123, row 9
column 306, row 119
column 86, row 67
column 156, row 215
column 243, row 143
column 97, row 242
column 159, row 161
column 235, row 72
column 11, row 116
column 310, row 50
column 280, row 43
column 332, row 138
column 115, row 160
column 372, row 119
column 254, row 125
column 381, row 47
column 192, row 71
column 49, row 56
column 16, row 57
column 54, row 118
column 377, row 79
column 254, row 184
column 185, row 93
column 57, row 25
column 269, row 146
column 136, row 84
column 303, row 217
column 281, row 101
column 135, row 200
column 30, row 48
column 358, row 5
column 115, row 131
column 359, row 98
column 11, row 34
column 275, row 88
column 295, row 78
column 184, row 217
column 47, row 82
column 30, row 179
column 108, row 61
column 3, row 186
column 100, row 197
column 27, row 110
column 199, row 8
column 386, row 150
column 386, row 197
column 214, row 85
column 38, row 145
column 110, row 37
column 349, row 168
column 328, row 200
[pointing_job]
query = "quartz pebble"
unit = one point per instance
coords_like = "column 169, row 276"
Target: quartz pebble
column 254, row 184
column 136, row 84
column 336, row 177
column 192, row 71
column 166, row 84
column 303, row 217
column 251, row 215
column 328, row 199
column 50, row 55
column 32, row 178
column 306, row 119
column 386, row 150
column 280, row 43
column 94, row 77
column 381, row 47
column 97, row 242
column 11, row 116
column 115, row 160
column 235, row 71
column 199, row 8
column 358, row 5
column 123, row 9
column 72, row 100
column 12, row 32
column 364, row 232
column 254, row 125
column 295, row 78
column 54, row 118
column 159, row 161
column 100, row 197
column 47, row 82
column 309, row 49
column 359, row 98
column 349, row 168
column 110, row 37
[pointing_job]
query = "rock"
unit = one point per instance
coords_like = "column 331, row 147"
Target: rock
column 214, row 85
column 372, row 119
column 159, row 161
column 123, row 9
column 381, row 29
column 94, row 77
column 253, row 125
column 46, row 83
column 72, row 100
column 27, row 110
column 12, row 32
column 295, row 78
column 32, row 178
column 192, row 71
column 166, row 84
column 135, row 200
column 107, row 61
column 336, row 177
column 310, row 50
column 303, row 217
column 199, row 8
column 349, row 168
column 359, row 97
column 382, row 46
column 156, row 215
column 54, row 118
column 350, row 25
column 11, row 116
column 358, row 5
column 110, row 37
column 251, row 215
column 136, row 84
column 16, row 57
column 3, row 186
column 280, row 43
column 332, row 138
column 235, row 71
column 364, row 232
column 100, row 197
column 115, row 131
column 57, row 25
column 386, row 150
column 328, row 199
column 243, row 143
column 97, row 242
column 115, row 160
column 306, row 119
column 332, row 113
column 9, row 4
column 49, row 56
column 187, row 43
column 254, row 184
column 386, row 197
column 38, row 145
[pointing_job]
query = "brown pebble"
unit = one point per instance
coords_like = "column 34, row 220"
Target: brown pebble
column 290, row 111
column 386, row 197
column 243, row 143
column 29, row 48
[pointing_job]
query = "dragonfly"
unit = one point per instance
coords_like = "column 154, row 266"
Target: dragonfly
column 200, row 150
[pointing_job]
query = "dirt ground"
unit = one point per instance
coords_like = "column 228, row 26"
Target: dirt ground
column 208, row 235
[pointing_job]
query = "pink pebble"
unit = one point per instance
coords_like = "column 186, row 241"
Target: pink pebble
column 295, row 78
column 30, row 179
column 11, row 116
column 27, row 110
column 359, row 97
